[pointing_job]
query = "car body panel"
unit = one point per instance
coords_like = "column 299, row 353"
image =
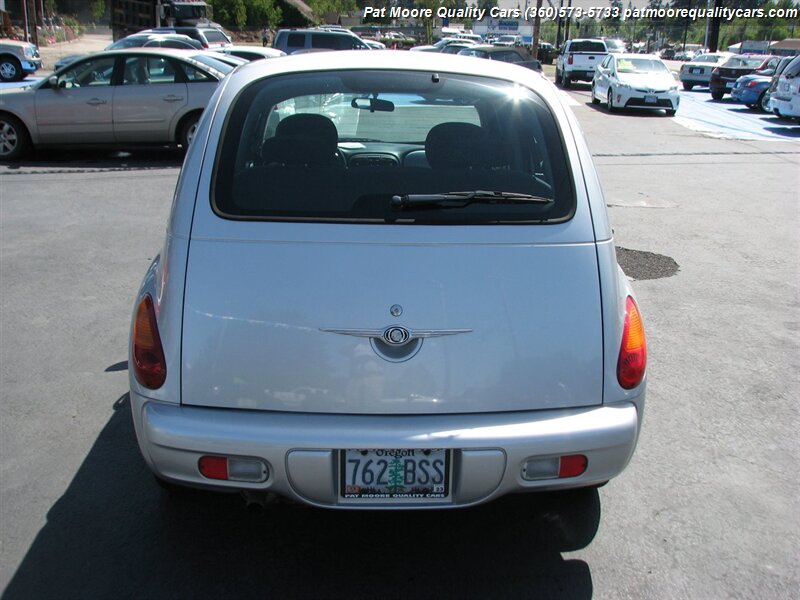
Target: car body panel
column 448, row 374
column 82, row 115
column 748, row 89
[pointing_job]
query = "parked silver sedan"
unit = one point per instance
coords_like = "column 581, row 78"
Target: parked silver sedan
column 115, row 98
column 388, row 281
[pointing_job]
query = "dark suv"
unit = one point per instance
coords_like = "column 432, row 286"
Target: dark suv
column 724, row 76
column 294, row 40
column 209, row 37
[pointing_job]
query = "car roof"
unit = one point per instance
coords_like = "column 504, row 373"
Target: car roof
column 630, row 55
column 383, row 60
column 170, row 52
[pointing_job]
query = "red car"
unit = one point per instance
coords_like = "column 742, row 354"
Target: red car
column 724, row 77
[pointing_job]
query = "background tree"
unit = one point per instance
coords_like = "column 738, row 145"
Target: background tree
column 337, row 7
column 97, row 8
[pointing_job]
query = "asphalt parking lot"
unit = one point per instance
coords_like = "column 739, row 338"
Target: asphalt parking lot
column 706, row 215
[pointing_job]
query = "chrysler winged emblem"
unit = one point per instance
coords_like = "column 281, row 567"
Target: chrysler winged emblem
column 396, row 335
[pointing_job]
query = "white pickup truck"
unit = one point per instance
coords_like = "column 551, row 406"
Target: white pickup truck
column 578, row 59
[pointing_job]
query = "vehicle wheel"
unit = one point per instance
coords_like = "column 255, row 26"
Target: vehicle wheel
column 187, row 131
column 594, row 98
column 763, row 102
column 10, row 69
column 15, row 141
column 565, row 81
column 717, row 95
column 688, row 86
column 610, row 101
column 558, row 77
column 670, row 112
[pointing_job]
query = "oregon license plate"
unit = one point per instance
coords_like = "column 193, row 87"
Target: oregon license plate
column 650, row 99
column 395, row 474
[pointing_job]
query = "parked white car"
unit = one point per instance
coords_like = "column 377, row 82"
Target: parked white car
column 635, row 81
column 785, row 100
column 388, row 281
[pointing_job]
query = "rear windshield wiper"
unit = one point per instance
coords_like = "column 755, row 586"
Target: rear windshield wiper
column 461, row 199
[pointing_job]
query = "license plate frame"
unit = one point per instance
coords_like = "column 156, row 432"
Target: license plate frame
column 384, row 484
column 650, row 99
column 695, row 71
column 729, row 85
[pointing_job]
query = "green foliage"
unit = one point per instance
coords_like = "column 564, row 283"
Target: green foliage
column 97, row 8
column 241, row 13
column 321, row 7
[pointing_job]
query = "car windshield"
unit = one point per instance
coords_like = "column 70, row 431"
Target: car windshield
column 641, row 65
column 339, row 146
column 615, row 45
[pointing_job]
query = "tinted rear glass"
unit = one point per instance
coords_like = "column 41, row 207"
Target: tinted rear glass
column 330, row 42
column 587, row 46
column 215, row 36
column 339, row 147
column 296, row 40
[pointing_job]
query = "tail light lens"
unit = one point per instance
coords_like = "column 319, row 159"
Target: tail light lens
column 149, row 364
column 569, row 59
column 633, row 350
column 715, row 73
column 753, row 83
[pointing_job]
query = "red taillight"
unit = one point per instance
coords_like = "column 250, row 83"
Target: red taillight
column 715, row 73
column 214, row 467
column 569, row 59
column 572, row 466
column 753, row 83
column 205, row 45
column 633, row 350
column 149, row 364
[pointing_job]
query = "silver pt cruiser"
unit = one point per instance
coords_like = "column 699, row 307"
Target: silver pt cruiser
column 388, row 281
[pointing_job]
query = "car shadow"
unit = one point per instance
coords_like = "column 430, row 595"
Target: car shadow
column 626, row 112
column 115, row 533
column 76, row 159
column 788, row 130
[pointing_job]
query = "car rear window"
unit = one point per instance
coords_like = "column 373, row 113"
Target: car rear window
column 744, row 62
column 371, row 146
column 215, row 36
column 296, row 40
column 587, row 46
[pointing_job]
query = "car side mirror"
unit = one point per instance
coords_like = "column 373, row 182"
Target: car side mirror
column 53, row 81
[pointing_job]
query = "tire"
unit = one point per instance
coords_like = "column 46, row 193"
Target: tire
column 187, row 131
column 717, row 95
column 10, row 69
column 670, row 112
column 763, row 102
column 565, row 81
column 610, row 101
column 688, row 86
column 558, row 78
column 594, row 98
column 15, row 141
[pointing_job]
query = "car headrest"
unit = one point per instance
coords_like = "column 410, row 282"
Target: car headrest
column 306, row 139
column 456, row 146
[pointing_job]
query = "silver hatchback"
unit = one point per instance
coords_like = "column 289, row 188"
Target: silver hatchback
column 388, row 281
